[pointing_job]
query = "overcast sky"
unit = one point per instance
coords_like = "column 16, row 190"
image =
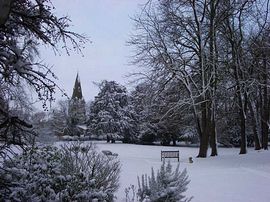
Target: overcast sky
column 108, row 25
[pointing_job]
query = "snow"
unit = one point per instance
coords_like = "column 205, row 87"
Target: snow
column 84, row 127
column 227, row 177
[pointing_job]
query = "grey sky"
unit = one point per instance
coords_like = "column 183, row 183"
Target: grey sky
column 108, row 24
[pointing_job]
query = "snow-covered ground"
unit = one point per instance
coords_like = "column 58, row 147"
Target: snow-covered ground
column 227, row 178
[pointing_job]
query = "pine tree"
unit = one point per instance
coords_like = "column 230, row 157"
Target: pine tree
column 111, row 116
column 160, row 115
column 141, row 102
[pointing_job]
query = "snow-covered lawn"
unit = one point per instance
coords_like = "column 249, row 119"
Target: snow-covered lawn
column 227, row 178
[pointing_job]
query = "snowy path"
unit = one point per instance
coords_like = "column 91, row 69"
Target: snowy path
column 227, row 178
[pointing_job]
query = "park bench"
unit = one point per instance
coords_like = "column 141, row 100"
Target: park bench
column 169, row 154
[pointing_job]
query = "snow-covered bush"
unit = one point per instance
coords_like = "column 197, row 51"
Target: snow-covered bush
column 84, row 161
column 166, row 186
column 72, row 173
column 32, row 176
column 130, row 193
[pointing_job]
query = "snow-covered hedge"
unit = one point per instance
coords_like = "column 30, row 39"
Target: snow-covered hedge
column 166, row 186
column 72, row 173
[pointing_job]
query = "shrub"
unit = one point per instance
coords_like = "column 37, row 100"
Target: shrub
column 166, row 186
column 72, row 173
column 86, row 162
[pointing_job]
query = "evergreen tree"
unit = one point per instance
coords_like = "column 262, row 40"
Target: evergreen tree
column 141, row 101
column 110, row 115
column 161, row 116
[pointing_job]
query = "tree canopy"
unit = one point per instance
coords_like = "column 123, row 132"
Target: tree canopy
column 24, row 26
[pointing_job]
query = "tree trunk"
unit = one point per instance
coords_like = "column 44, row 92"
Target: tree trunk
column 203, row 146
column 265, row 107
column 254, row 122
column 265, row 128
column 212, row 76
column 204, row 136
column 205, row 133
column 240, row 97
column 213, row 135
column 243, row 145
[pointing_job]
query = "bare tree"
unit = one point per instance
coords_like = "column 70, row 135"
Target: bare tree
column 174, row 41
column 204, row 45
column 245, row 18
column 260, row 71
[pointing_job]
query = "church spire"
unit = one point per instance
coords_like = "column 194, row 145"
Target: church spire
column 77, row 89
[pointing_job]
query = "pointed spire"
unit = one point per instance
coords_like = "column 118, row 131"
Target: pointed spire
column 77, row 89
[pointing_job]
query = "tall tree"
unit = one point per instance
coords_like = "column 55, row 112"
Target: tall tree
column 111, row 116
column 173, row 42
column 260, row 71
column 23, row 26
column 204, row 45
column 140, row 99
column 244, row 19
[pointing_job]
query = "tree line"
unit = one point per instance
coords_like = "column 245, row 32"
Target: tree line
column 215, row 54
column 204, row 73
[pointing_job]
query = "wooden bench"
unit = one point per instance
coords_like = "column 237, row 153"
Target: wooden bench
column 169, row 154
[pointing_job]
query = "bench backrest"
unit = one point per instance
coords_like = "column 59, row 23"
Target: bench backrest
column 169, row 154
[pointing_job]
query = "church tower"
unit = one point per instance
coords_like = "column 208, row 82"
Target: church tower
column 77, row 104
column 77, row 89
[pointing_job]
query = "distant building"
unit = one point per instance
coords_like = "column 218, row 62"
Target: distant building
column 77, row 89
column 77, row 112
